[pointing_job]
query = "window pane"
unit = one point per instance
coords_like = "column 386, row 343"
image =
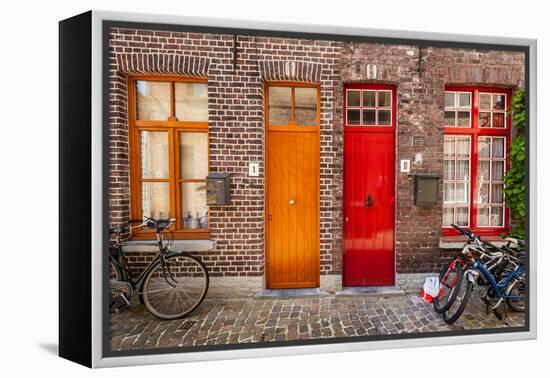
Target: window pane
column 497, row 216
column 384, row 99
column 462, row 216
column 483, row 194
column 384, row 117
column 193, row 155
column 462, row 147
column 154, row 154
column 194, row 212
column 354, row 98
column 498, row 120
column 484, row 119
column 279, row 105
column 483, row 216
column 485, row 101
column 461, row 193
column 305, row 106
column 449, row 147
column 497, row 193
column 191, row 102
column 483, row 170
column 155, row 200
column 484, row 147
column 448, row 170
column 354, row 117
column 369, row 117
column 464, row 119
column 448, row 216
column 463, row 170
column 152, row 100
column 498, row 171
column 449, row 99
column 464, row 100
column 498, row 148
column 369, row 98
column 448, row 192
column 499, row 102
column 450, row 118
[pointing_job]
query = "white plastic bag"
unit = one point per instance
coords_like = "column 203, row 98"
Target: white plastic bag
column 430, row 289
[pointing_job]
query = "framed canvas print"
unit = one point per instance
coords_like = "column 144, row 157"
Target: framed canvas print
column 232, row 189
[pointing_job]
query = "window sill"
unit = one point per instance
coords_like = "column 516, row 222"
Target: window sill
column 197, row 245
column 457, row 242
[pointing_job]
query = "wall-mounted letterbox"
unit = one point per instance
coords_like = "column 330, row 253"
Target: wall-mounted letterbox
column 425, row 189
column 217, row 189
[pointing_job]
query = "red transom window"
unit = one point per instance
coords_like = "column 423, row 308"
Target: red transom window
column 477, row 136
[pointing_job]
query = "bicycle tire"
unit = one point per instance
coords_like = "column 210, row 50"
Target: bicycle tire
column 184, row 275
column 454, row 312
column 441, row 306
column 115, row 273
column 518, row 285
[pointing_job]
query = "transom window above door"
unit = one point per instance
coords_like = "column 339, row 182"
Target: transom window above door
column 292, row 105
column 169, row 155
column 369, row 107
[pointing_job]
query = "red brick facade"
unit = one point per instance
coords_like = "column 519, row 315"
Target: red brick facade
column 236, row 129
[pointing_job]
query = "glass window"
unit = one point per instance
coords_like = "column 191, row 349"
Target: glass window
column 280, row 105
column 492, row 110
column 191, row 102
column 485, row 181
column 305, row 106
column 193, row 155
column 458, row 109
column 171, row 152
column 369, row 107
column 456, row 180
column 152, row 100
column 491, row 170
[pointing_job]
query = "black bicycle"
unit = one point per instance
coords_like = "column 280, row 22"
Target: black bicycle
column 172, row 286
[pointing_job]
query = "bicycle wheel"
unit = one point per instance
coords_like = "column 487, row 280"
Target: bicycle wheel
column 459, row 304
column 114, row 271
column 177, row 289
column 450, row 280
column 517, row 290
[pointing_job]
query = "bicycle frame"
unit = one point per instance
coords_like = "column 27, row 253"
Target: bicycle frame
column 500, row 288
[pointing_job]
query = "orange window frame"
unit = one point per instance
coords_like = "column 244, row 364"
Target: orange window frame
column 173, row 127
column 475, row 132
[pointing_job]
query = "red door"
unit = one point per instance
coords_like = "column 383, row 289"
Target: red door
column 369, row 195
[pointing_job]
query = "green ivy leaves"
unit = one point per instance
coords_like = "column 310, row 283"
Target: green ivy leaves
column 514, row 180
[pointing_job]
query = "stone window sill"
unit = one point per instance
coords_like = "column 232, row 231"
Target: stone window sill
column 178, row 245
column 457, row 242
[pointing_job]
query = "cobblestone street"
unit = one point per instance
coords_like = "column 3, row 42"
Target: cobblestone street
column 252, row 320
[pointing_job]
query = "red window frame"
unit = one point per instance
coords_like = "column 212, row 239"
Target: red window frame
column 474, row 131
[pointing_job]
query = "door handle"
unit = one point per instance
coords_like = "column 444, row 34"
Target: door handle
column 369, row 201
column 291, row 202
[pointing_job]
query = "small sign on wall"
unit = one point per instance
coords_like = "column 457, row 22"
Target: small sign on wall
column 371, row 71
column 254, row 169
column 405, row 166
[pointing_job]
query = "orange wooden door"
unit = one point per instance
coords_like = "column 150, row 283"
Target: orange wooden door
column 292, row 207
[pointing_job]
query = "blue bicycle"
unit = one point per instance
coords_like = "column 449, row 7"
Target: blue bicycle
column 505, row 282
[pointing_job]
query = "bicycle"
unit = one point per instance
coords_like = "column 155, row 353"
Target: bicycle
column 172, row 286
column 506, row 284
column 450, row 277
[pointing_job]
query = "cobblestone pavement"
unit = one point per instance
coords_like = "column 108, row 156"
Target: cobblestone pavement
column 252, row 320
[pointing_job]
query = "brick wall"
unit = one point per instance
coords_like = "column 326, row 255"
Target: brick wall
column 236, row 113
column 236, row 129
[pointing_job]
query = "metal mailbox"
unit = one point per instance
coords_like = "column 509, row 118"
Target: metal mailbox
column 217, row 189
column 425, row 189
